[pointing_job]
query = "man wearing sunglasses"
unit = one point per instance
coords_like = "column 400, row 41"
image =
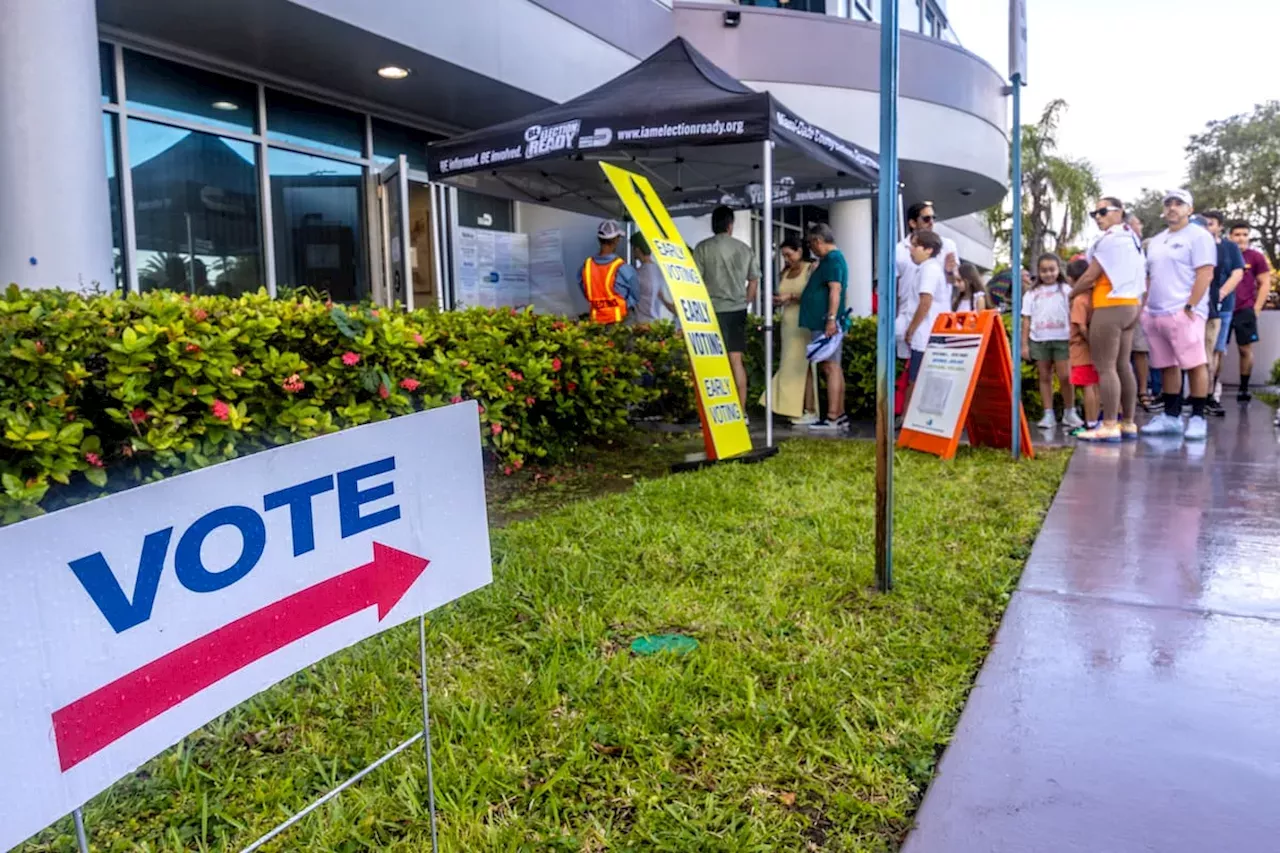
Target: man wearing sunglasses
column 1180, row 264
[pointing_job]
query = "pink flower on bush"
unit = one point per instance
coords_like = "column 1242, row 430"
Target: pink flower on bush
column 510, row 388
column 516, row 375
column 293, row 384
column 410, row 385
column 455, row 400
column 529, row 401
column 374, row 312
column 138, row 416
column 193, row 348
column 350, row 359
column 40, row 347
column 237, row 371
column 573, row 386
column 417, row 339
column 496, row 429
column 93, row 459
column 517, row 464
column 220, row 410
column 464, row 363
column 200, row 315
column 482, row 410
column 556, row 364
column 507, row 470
column 383, row 391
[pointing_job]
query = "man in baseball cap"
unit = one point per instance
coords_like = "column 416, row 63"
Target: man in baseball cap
column 609, row 283
column 1180, row 265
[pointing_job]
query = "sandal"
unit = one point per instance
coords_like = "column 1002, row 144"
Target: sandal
column 1147, row 402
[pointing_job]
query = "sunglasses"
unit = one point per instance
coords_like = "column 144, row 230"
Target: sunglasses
column 926, row 218
column 1103, row 211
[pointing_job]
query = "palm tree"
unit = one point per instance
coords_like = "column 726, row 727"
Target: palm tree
column 1056, row 190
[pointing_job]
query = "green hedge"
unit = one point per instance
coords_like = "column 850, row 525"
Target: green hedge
column 101, row 392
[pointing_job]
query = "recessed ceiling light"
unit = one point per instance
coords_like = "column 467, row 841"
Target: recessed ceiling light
column 393, row 72
column 225, row 105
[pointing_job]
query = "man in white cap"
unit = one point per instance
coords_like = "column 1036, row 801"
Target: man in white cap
column 1180, row 264
column 609, row 283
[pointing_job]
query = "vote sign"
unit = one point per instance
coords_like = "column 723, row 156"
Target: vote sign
column 130, row 621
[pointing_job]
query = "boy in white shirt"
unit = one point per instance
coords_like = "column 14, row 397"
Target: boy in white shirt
column 933, row 297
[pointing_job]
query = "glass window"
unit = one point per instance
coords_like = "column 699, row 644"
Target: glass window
column 181, row 91
column 195, row 203
column 109, row 134
column 107, row 72
column 390, row 140
column 484, row 211
column 317, row 213
column 306, row 122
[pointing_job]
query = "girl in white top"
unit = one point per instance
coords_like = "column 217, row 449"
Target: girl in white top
column 1045, row 338
column 969, row 293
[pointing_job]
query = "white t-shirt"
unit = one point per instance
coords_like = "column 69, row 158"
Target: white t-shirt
column 908, row 287
column 1172, row 260
column 1050, row 313
column 1119, row 251
column 931, row 278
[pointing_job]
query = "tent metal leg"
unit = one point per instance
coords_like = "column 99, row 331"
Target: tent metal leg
column 767, row 274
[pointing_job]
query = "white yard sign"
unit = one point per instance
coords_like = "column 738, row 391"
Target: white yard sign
column 128, row 622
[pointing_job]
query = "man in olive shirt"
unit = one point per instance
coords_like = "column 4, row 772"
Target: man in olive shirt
column 731, row 272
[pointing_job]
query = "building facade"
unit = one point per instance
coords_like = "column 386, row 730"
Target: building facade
column 223, row 145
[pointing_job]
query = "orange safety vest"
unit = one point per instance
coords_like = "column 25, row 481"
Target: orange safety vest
column 598, row 280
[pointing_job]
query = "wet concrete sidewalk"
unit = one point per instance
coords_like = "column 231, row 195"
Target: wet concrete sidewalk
column 1132, row 699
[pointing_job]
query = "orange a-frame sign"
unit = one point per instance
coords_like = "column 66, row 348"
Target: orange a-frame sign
column 965, row 383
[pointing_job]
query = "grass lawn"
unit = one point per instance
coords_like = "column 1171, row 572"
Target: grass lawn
column 810, row 717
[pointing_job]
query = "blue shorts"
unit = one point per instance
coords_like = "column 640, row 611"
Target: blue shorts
column 1224, row 332
column 913, row 366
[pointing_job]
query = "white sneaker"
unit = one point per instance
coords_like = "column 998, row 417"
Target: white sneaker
column 1071, row 420
column 1163, row 424
column 1049, row 421
column 1197, row 429
column 805, row 420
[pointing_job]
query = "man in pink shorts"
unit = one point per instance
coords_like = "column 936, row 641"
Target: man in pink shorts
column 1180, row 262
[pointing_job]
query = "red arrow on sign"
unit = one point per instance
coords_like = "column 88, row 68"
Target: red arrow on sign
column 99, row 719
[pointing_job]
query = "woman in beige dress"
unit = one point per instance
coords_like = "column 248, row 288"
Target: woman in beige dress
column 792, row 393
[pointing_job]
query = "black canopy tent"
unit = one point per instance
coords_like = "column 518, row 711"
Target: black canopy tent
column 702, row 137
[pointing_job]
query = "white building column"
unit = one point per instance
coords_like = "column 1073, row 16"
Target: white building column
column 852, row 223
column 55, row 219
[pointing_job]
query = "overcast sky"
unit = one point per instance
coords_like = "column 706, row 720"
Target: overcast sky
column 1140, row 76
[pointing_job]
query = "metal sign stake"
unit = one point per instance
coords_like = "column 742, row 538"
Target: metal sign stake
column 81, row 838
column 426, row 731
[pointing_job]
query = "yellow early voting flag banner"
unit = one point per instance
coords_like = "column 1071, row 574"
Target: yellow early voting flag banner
column 724, row 424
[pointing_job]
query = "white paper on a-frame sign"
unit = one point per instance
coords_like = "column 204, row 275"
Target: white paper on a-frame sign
column 128, row 622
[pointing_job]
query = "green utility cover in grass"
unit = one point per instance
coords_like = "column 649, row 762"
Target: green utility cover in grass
column 678, row 643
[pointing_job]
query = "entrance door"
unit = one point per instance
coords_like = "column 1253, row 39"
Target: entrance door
column 393, row 190
column 411, row 272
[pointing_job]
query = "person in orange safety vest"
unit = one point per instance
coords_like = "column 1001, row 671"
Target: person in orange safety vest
column 608, row 281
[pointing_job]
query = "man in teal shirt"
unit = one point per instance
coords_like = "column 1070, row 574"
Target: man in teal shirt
column 822, row 310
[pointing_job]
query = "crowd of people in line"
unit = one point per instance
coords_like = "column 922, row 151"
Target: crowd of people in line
column 1129, row 323
column 1145, row 323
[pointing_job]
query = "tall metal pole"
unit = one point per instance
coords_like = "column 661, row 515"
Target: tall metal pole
column 888, row 291
column 768, row 292
column 1015, row 268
